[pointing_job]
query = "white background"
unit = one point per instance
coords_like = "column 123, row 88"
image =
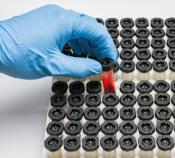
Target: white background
column 23, row 104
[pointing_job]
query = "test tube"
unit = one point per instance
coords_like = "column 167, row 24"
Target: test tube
column 164, row 127
column 163, row 113
column 76, row 100
column 172, row 69
column 109, row 145
column 110, row 113
column 57, row 114
column 145, row 99
column 143, row 54
column 58, row 100
column 127, row 87
column 91, row 128
column 59, row 87
column 92, row 114
column 90, row 145
column 161, row 86
column 53, row 146
column 128, row 128
column 110, row 99
column 141, row 22
column 109, row 128
column 162, row 99
column 115, row 70
column 145, row 113
column 146, row 145
column 76, row 87
column 157, row 22
column 127, row 22
column 72, row 146
column 74, row 113
column 127, row 100
column 144, row 87
column 93, row 100
column 127, row 113
column 146, row 127
column 93, row 87
column 159, row 54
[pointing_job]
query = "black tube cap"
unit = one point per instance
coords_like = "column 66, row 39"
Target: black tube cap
column 55, row 128
column 116, row 42
column 141, row 22
column 57, row 114
column 75, row 113
column 157, row 22
column 144, row 87
column 128, row 143
column 93, row 100
column 145, row 113
column 127, row 54
column 127, row 66
column 58, row 100
column 114, row 32
column 142, row 43
column 109, row 143
column 172, row 65
column 107, row 64
column 53, row 143
column 111, row 23
column 146, row 143
column 73, row 128
column 159, row 54
column 144, row 66
column 157, row 33
column 170, row 22
column 127, row 33
column 162, row 99
column 146, row 127
column 109, row 127
column 100, row 20
column 127, row 113
column 171, row 54
column 127, row 22
column 170, row 32
column 128, row 100
column 165, row 142
column 110, row 99
column 72, row 143
column 110, row 113
column 160, row 65
column 142, row 33
column 92, row 113
column 93, row 87
column 158, row 43
column 76, row 87
column 171, row 42
column 59, row 87
column 173, row 86
column 173, row 99
column 161, row 86
column 143, row 54
column 145, row 99
column 127, row 43
column 91, row 128
column 90, row 143
column 76, row 100
column 164, row 127
column 116, row 67
column 128, row 128
column 127, row 87
column 163, row 113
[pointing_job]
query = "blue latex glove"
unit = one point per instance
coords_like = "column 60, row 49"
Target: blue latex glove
column 31, row 44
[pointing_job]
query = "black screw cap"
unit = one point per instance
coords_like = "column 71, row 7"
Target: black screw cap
column 157, row 33
column 109, row 143
column 158, row 43
column 141, row 22
column 76, row 87
column 72, row 143
column 165, row 142
column 142, row 33
column 91, row 128
column 100, row 20
column 55, row 128
column 146, row 127
column 127, row 33
column 159, row 54
column 111, row 23
column 93, row 87
column 128, row 128
column 127, row 87
column 93, row 100
column 146, row 143
column 110, row 99
column 73, row 128
column 128, row 100
column 172, row 65
column 163, row 113
column 157, row 23
column 142, row 43
column 107, row 64
column 144, row 66
column 127, row 113
column 75, row 113
column 59, row 87
column 164, row 127
column 173, row 86
column 114, row 33
column 170, row 22
column 90, row 143
column 57, row 114
column 110, row 113
column 127, row 54
column 127, row 23
column 171, row 42
column 53, row 143
column 76, row 100
column 143, row 54
column 145, row 99
column 128, row 143
column 116, row 42
column 160, row 65
column 161, row 86
column 162, row 99
column 127, row 43
column 92, row 113
column 170, row 32
column 145, row 113
column 109, row 127
column 173, row 99
column 58, row 100
column 171, row 54
column 127, row 66
column 116, row 67
column 144, row 87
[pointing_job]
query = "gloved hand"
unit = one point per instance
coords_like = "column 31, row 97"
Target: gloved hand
column 31, row 44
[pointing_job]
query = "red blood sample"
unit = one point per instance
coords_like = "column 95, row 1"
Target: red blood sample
column 108, row 76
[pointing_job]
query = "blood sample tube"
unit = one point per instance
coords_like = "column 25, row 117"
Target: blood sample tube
column 58, row 100
column 92, row 114
column 141, row 22
column 145, row 99
column 109, row 145
column 59, row 87
column 127, row 67
column 90, row 145
column 142, row 33
column 110, row 99
column 142, row 43
column 146, row 145
column 127, row 54
column 159, row 54
column 53, row 146
column 108, row 76
column 93, row 100
column 144, row 87
column 72, row 146
column 143, row 54
column 157, row 22
column 164, row 127
column 57, row 114
column 111, row 23
column 127, row 113
column 161, row 86
column 162, row 99
column 127, row 22
column 170, row 22
column 146, row 127
column 128, row 145
column 128, row 128
column 145, row 113
column 115, row 70
column 109, row 128
column 127, row 100
column 110, row 113
column 163, row 113
column 157, row 33
column 127, row 87
column 144, row 67
column 127, row 33
column 171, row 54
column 76, row 100
column 170, row 32
column 91, row 128
column 172, row 70
column 55, row 128
column 76, row 87
column 93, row 87
column 171, row 43
column 165, row 144
column 74, row 113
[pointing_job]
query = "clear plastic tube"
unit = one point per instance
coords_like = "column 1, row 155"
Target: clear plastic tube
column 145, row 154
column 91, row 154
column 127, row 76
column 109, row 154
column 164, row 154
column 128, row 154
column 73, row 154
column 159, row 75
column 143, row 76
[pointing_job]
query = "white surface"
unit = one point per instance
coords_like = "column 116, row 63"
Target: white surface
column 23, row 104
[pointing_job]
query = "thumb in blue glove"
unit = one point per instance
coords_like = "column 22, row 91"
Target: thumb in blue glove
column 31, row 44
